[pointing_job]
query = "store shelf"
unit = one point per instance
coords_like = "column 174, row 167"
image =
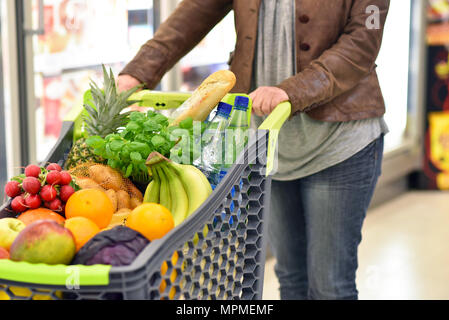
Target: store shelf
column 56, row 63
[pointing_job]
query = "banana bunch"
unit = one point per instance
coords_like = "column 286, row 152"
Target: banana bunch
column 180, row 188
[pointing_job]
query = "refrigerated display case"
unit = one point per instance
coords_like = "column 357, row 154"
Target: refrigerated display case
column 64, row 45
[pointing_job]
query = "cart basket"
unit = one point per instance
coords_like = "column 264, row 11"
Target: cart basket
column 217, row 253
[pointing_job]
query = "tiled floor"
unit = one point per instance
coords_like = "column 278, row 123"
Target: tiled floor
column 404, row 253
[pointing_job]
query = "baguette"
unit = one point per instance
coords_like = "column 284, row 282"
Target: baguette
column 206, row 97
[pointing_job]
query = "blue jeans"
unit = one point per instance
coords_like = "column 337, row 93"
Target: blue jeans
column 315, row 227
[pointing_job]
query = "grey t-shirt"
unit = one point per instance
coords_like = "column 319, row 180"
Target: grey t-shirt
column 306, row 146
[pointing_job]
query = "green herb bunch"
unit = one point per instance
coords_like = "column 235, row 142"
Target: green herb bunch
column 128, row 149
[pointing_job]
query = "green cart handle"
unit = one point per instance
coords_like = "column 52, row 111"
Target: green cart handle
column 57, row 275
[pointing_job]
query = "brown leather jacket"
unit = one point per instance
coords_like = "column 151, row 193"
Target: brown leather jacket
column 336, row 79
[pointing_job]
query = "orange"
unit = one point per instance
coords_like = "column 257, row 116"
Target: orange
column 82, row 229
column 92, row 204
column 151, row 220
column 30, row 216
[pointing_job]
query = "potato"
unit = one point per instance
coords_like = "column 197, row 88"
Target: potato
column 119, row 218
column 113, row 197
column 106, row 177
column 134, row 192
column 86, row 183
column 135, row 202
column 123, row 200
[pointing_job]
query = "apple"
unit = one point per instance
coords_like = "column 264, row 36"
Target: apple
column 9, row 230
column 44, row 241
column 4, row 254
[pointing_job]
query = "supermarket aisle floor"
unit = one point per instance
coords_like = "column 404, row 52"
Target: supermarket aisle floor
column 404, row 253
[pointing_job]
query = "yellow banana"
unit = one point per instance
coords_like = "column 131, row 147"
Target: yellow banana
column 195, row 184
column 164, row 197
column 153, row 190
column 179, row 199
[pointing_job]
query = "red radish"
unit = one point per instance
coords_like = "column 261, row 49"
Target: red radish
column 53, row 177
column 31, row 185
column 66, row 192
column 33, row 201
column 12, row 189
column 32, row 171
column 48, row 193
column 55, row 205
column 66, row 178
column 18, row 204
column 54, row 167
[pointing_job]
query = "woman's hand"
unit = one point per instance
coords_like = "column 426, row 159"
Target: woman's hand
column 266, row 99
column 126, row 82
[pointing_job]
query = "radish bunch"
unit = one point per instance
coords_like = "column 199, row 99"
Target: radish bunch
column 49, row 187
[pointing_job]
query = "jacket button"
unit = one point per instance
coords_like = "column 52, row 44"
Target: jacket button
column 304, row 47
column 304, row 18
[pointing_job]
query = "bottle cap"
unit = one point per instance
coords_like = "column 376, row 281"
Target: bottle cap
column 241, row 103
column 224, row 108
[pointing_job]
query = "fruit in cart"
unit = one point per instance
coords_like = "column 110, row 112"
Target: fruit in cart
column 12, row 189
column 18, row 204
column 178, row 196
column 44, row 241
column 9, row 230
column 31, row 216
column 4, row 254
column 82, row 229
column 180, row 188
column 104, row 116
column 92, row 204
column 152, row 220
column 119, row 246
column 195, row 183
column 33, row 170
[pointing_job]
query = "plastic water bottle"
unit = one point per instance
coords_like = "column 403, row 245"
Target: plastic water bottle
column 211, row 160
column 238, row 127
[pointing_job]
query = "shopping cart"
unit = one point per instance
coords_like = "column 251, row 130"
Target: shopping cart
column 217, row 253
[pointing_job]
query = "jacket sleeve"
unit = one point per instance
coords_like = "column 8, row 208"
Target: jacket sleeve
column 179, row 34
column 344, row 65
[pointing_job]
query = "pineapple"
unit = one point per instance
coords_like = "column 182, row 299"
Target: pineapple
column 103, row 117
